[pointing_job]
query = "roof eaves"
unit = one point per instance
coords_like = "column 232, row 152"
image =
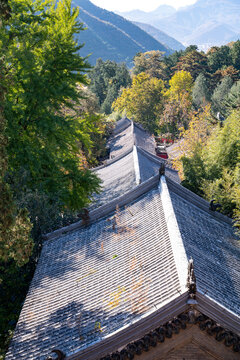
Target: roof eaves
column 106, row 209
column 196, row 200
column 127, row 124
column 178, row 248
column 146, row 323
column 217, row 312
column 113, row 160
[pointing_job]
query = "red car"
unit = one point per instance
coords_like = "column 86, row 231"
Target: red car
column 161, row 151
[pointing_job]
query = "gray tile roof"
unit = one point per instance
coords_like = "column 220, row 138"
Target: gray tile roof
column 149, row 166
column 96, row 280
column 126, row 135
column 144, row 139
column 91, row 282
column 117, row 178
column 121, row 125
column 215, row 251
column 119, row 175
column 121, row 142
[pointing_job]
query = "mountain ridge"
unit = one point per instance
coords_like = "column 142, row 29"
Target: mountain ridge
column 140, row 15
column 112, row 37
column 187, row 23
column 161, row 36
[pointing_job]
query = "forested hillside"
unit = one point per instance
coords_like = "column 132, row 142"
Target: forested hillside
column 192, row 98
column 111, row 37
column 160, row 36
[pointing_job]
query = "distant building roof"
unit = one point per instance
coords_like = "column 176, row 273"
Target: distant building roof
column 97, row 288
column 117, row 177
column 132, row 161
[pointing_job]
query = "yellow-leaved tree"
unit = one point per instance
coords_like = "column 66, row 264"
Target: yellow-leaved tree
column 143, row 101
column 178, row 103
column 179, row 85
column 189, row 161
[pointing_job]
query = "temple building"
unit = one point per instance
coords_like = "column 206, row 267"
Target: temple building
column 150, row 273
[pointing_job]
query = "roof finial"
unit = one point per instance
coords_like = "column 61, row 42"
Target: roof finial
column 191, row 281
column 161, row 170
column 213, row 206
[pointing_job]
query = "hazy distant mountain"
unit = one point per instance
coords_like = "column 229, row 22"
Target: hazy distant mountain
column 211, row 34
column 142, row 16
column 209, row 22
column 112, row 37
column 161, row 36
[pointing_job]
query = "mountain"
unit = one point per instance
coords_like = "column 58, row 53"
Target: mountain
column 141, row 16
column 211, row 33
column 112, row 37
column 161, row 36
column 210, row 22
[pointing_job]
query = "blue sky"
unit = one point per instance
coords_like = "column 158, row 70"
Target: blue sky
column 149, row 5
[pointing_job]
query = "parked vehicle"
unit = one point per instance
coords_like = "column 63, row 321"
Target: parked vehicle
column 161, row 151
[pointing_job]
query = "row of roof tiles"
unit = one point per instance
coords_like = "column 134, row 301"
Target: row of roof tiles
column 130, row 263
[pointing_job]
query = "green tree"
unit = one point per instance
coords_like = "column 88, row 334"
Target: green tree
column 194, row 62
column 170, row 62
column 233, row 98
column 143, row 101
column 217, row 57
column 200, row 91
column 220, row 94
column 15, row 227
column 107, row 78
column 150, row 62
column 45, row 68
column 222, row 159
column 235, row 54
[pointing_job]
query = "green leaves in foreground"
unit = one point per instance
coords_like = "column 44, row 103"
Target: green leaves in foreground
column 43, row 61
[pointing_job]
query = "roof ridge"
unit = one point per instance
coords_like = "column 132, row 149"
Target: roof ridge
column 106, row 209
column 178, row 248
column 154, row 158
column 123, row 128
column 136, row 165
column 196, row 200
column 113, row 160
column 141, row 127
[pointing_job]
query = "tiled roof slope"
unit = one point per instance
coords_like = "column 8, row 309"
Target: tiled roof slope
column 120, row 173
column 121, row 125
column 143, row 139
column 94, row 281
column 122, row 141
column 127, row 134
column 117, row 178
column 149, row 165
column 120, row 176
column 211, row 242
column 126, row 268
